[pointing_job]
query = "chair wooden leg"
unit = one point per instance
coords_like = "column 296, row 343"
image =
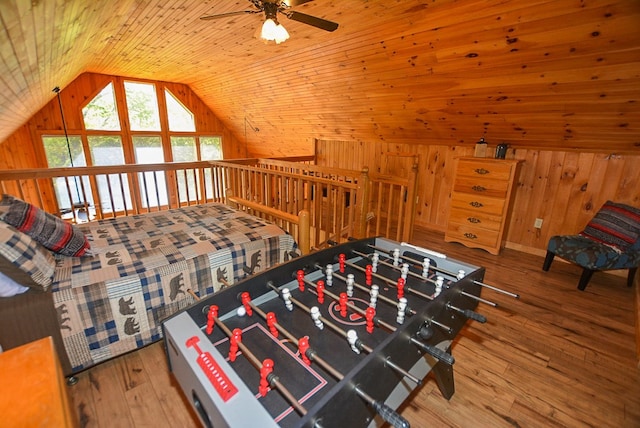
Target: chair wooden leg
column 584, row 278
column 632, row 274
column 547, row 261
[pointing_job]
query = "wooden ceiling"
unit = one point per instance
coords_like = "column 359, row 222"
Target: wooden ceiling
column 557, row 74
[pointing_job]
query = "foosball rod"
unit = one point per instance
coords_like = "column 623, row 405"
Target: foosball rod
column 255, row 362
column 386, row 412
column 415, row 275
column 431, row 350
column 408, row 310
column 359, row 344
column 382, row 262
column 388, row 281
column 418, row 262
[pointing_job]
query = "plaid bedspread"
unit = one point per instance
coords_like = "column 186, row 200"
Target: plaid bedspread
column 114, row 301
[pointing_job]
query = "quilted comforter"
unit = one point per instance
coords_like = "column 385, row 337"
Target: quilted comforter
column 143, row 267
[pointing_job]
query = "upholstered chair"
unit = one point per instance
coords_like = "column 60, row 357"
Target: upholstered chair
column 610, row 241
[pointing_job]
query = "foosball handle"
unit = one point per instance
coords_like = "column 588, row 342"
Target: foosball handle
column 390, row 415
column 475, row 316
column 435, row 352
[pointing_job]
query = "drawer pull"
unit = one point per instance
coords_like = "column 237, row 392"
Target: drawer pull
column 473, row 220
column 470, row 235
column 476, row 204
column 482, row 171
column 479, row 188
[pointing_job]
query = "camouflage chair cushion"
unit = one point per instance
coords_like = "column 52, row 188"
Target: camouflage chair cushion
column 611, row 240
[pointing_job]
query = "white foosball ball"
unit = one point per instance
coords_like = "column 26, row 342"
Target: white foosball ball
column 337, row 338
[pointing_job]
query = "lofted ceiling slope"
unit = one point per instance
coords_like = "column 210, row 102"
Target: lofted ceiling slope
column 556, row 74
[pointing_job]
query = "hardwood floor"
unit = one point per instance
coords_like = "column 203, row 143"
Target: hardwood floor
column 555, row 357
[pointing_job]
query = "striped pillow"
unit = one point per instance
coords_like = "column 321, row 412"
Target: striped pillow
column 52, row 232
column 616, row 225
column 24, row 260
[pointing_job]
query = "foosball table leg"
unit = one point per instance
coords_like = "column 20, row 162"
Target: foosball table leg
column 444, row 379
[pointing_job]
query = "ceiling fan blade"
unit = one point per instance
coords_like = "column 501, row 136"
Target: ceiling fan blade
column 228, row 14
column 294, row 3
column 312, row 20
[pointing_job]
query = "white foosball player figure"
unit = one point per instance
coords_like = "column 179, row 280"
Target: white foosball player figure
column 286, row 295
column 402, row 306
column 426, row 264
column 352, row 338
column 329, row 275
column 373, row 294
column 396, row 257
column 439, row 284
column 315, row 316
column 404, row 271
column 375, row 259
column 461, row 274
column 350, row 282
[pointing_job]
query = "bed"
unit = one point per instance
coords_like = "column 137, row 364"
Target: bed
column 135, row 271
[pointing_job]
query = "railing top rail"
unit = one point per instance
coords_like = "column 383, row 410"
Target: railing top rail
column 315, row 168
column 35, row 173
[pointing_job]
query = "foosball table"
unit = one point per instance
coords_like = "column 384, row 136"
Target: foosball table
column 336, row 338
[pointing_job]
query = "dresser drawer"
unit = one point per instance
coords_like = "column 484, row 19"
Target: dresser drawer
column 493, row 188
column 484, row 169
column 472, row 235
column 475, row 204
column 475, row 219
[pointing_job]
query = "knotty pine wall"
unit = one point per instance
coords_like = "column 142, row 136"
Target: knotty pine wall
column 564, row 188
column 23, row 149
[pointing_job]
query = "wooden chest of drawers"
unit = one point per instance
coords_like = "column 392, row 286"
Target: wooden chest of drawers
column 480, row 200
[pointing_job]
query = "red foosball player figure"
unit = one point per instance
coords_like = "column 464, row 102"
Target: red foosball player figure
column 368, row 274
column 211, row 316
column 236, row 337
column 369, row 314
column 300, row 275
column 265, row 370
column 342, row 259
column 245, row 299
column 343, row 304
column 303, row 345
column 400, row 286
column 271, row 321
column 320, row 290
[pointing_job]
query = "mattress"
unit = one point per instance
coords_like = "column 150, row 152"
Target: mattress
column 143, row 269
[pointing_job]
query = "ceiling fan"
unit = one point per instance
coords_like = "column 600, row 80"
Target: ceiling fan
column 272, row 30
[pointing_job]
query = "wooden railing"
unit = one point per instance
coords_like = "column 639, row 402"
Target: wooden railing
column 337, row 204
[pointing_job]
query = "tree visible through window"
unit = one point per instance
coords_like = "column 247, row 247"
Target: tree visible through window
column 112, row 139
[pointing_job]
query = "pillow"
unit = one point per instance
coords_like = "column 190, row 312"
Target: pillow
column 9, row 288
column 24, row 260
column 54, row 233
column 616, row 225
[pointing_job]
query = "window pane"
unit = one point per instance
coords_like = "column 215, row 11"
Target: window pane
column 113, row 190
column 184, row 150
column 210, row 148
column 180, row 118
column 101, row 113
column 148, row 149
column 71, row 190
column 142, row 104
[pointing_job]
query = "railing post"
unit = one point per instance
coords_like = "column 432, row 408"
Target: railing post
column 304, row 232
column 362, row 204
column 411, row 204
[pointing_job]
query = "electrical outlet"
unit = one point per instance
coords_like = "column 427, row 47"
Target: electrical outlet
column 538, row 223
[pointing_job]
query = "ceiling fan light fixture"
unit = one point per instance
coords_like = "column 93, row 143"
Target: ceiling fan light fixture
column 272, row 31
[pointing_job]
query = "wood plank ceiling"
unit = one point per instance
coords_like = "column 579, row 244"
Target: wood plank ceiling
column 551, row 74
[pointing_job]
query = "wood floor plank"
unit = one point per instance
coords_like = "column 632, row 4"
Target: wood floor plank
column 556, row 357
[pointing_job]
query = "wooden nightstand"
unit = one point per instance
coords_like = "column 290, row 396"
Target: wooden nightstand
column 33, row 391
column 480, row 202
